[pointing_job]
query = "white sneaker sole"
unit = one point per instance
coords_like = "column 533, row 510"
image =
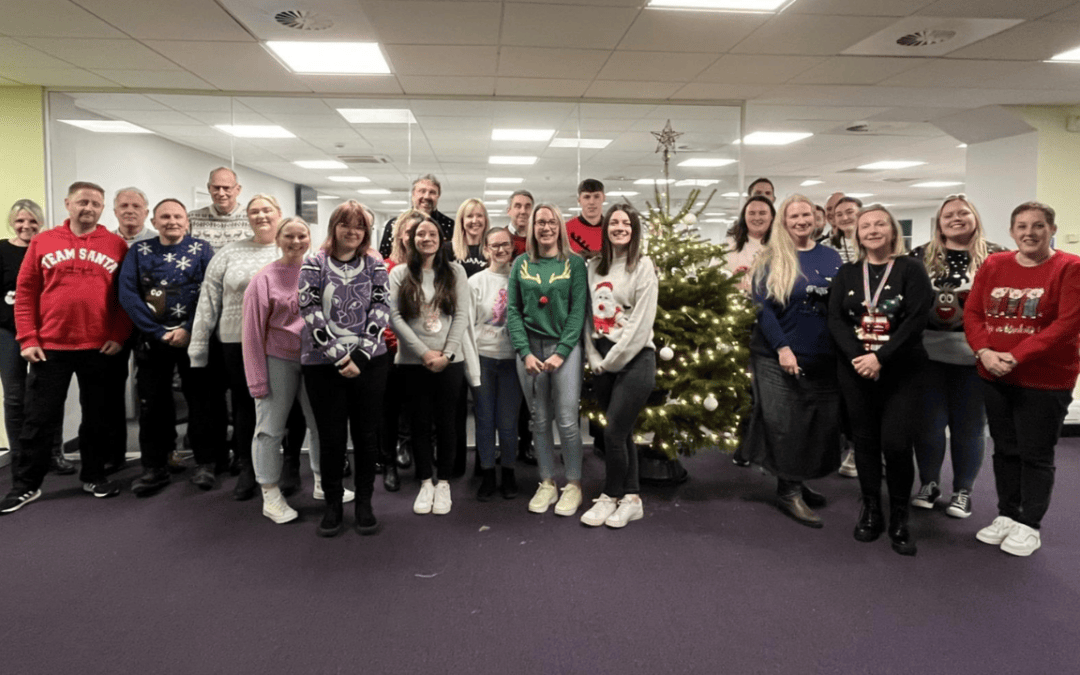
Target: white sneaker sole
column 440, row 511
column 923, row 504
column 848, row 473
column 617, row 524
column 1023, row 552
column 538, row 508
column 992, row 539
column 957, row 513
column 34, row 497
column 282, row 519
column 346, row 497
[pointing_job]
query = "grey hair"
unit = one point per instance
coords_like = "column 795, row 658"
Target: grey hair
column 223, row 168
column 134, row 189
column 431, row 179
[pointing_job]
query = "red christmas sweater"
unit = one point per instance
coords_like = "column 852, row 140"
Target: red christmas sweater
column 584, row 238
column 1032, row 313
column 66, row 294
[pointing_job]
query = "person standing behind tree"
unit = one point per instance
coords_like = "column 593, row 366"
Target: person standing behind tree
column 584, row 230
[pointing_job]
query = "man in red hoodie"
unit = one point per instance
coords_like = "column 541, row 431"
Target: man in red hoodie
column 68, row 321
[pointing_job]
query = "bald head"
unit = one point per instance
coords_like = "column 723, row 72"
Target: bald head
column 830, row 205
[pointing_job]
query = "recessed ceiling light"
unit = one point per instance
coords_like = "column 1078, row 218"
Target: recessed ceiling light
column 373, row 191
column 591, row 143
column 321, row 164
column 499, row 193
column 890, row 164
column 335, row 58
column 536, row 135
column 775, row 137
column 697, row 182
column 621, row 193
column 1071, row 56
column 328, row 197
column 107, row 126
column 859, row 195
column 574, row 208
column 394, row 202
column 962, row 145
column 722, row 5
column 349, row 179
column 937, row 183
column 718, row 220
column 703, row 162
column 313, row 201
column 510, row 159
column 255, row 130
column 495, row 202
column 377, row 115
column 650, row 181
column 731, row 195
column 507, row 181
column 808, row 183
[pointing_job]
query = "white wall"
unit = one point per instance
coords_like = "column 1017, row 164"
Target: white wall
column 1000, row 175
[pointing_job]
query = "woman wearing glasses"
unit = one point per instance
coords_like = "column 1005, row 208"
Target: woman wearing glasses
column 546, row 307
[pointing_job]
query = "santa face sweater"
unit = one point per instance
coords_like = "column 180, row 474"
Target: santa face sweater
column 66, row 296
column 159, row 284
column 221, row 298
column 1032, row 313
column 272, row 323
column 345, row 305
column 547, row 297
column 623, row 305
column 489, row 314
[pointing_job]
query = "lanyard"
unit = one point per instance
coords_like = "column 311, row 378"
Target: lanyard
column 871, row 304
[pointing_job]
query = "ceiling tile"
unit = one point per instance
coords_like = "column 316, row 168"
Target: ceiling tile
column 249, row 66
column 442, row 60
column 720, row 92
column 632, row 90
column 1070, row 14
column 535, row 86
column 1061, row 76
column 158, row 117
column 405, row 22
column 228, row 117
column 954, row 73
column 582, row 64
column 163, row 19
column 193, row 102
column 1031, row 40
column 462, row 86
column 13, row 52
column 667, row 31
column 655, row 66
column 536, row 25
column 747, row 69
column 857, row 70
column 155, row 79
column 54, row 77
column 98, row 53
column 53, row 18
column 859, row 7
column 115, row 102
column 810, row 34
column 995, row 9
column 346, row 84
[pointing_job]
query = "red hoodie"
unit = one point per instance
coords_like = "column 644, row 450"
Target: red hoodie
column 66, row 295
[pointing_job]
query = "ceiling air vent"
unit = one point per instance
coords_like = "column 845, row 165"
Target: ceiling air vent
column 925, row 38
column 303, row 19
column 364, row 159
column 859, row 128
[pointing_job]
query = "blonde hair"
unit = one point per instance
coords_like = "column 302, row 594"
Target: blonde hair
column 408, row 218
column 265, row 197
column 31, row 207
column 532, row 248
column 898, row 248
column 778, row 258
column 458, row 243
column 934, row 252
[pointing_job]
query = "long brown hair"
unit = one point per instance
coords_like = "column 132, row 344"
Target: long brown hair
column 344, row 214
column 412, row 293
column 633, row 251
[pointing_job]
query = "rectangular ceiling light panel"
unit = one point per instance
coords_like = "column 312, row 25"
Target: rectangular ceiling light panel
column 588, row 143
column 722, row 5
column 775, row 137
column 255, row 130
column 889, row 165
column 528, row 135
column 377, row 115
column 321, row 164
column 107, row 126
column 518, row 160
column 331, row 58
column 705, row 162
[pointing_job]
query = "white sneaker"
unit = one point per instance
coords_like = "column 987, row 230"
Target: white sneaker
column 847, row 467
column 442, row 503
column 546, row 495
column 628, row 510
column 603, row 506
column 425, row 499
column 570, row 500
column 347, row 495
column 1022, row 540
column 997, row 531
column 276, row 508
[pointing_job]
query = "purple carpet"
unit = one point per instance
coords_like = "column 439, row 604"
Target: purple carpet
column 713, row 580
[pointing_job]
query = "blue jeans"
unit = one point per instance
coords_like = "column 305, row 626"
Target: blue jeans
column 952, row 397
column 554, row 396
column 498, row 399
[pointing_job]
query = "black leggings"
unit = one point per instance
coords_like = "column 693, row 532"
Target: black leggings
column 882, row 415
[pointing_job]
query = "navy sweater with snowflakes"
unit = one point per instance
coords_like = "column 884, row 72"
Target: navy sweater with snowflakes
column 159, row 284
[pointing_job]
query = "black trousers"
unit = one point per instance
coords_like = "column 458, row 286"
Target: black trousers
column 345, row 405
column 432, row 399
column 882, row 414
column 46, row 391
column 1025, row 425
column 243, row 406
column 116, row 423
column 208, row 415
column 155, row 363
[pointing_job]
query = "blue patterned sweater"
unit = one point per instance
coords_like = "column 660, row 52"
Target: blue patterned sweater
column 159, row 284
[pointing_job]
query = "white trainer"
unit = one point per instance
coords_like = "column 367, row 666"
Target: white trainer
column 570, row 500
column 425, row 499
column 1023, row 540
column 276, row 508
column 603, row 507
column 997, row 531
column 546, row 495
column 847, row 467
column 629, row 509
column 347, row 495
column 442, row 502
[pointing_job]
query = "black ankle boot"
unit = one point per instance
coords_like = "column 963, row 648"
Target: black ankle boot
column 404, row 456
column 290, row 477
column 245, row 484
column 331, row 523
column 509, row 484
column 871, row 519
column 902, row 541
column 487, row 488
column 366, row 523
column 59, row 465
column 790, row 500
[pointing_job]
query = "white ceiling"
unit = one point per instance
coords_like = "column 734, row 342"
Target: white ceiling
column 181, row 66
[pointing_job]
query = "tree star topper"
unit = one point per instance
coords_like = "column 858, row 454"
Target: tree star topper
column 666, row 138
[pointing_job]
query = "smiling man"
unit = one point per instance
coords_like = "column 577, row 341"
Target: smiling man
column 585, row 230
column 224, row 221
column 426, row 191
column 69, row 321
column 519, row 209
column 131, row 209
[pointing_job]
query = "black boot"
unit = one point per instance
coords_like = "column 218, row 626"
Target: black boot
column 366, row 523
column 902, row 541
column 331, row 523
column 347, row 471
column 509, row 484
column 404, row 455
column 813, row 498
column 59, row 465
column 245, row 483
column 789, row 499
column 290, row 482
column 487, row 488
column 391, row 480
column 871, row 519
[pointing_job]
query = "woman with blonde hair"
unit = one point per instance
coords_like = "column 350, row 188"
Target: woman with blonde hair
column 877, row 311
column 794, row 430
column 547, row 301
column 470, row 226
column 952, row 394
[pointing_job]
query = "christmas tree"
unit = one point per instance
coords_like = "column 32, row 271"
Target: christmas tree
column 701, row 333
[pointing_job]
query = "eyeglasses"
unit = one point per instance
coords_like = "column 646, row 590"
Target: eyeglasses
column 500, row 247
column 547, row 223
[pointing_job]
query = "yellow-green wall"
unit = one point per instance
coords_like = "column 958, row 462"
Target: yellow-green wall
column 1059, row 164
column 22, row 145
